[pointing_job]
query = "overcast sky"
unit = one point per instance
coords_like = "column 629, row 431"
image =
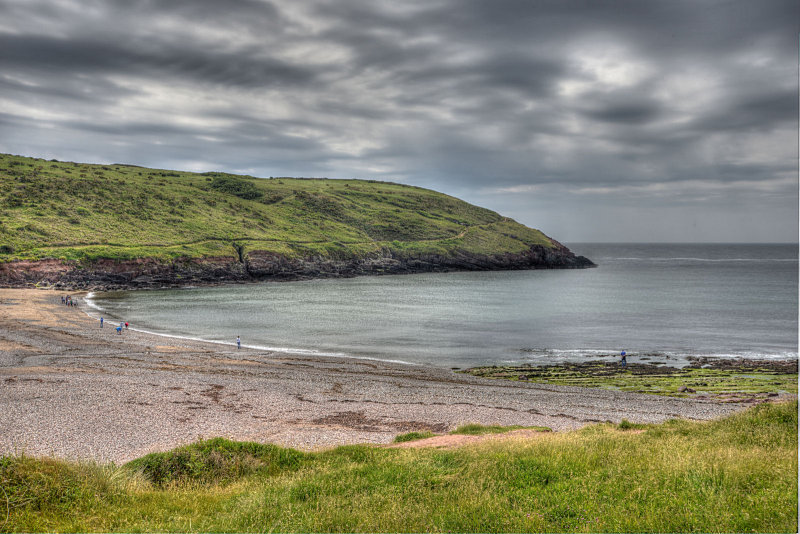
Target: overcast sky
column 592, row 121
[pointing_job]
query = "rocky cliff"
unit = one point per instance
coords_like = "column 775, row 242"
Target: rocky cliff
column 263, row 266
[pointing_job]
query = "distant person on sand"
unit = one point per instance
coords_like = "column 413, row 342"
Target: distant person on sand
column 126, row 325
column 238, row 342
column 119, row 330
column 101, row 322
column 623, row 362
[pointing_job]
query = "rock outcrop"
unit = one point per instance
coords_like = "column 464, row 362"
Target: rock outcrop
column 259, row 266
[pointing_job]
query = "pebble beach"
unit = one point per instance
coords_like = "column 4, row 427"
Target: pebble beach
column 73, row 390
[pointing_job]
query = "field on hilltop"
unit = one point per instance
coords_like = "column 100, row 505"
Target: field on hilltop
column 84, row 212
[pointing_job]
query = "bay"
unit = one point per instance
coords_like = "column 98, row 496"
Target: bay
column 659, row 302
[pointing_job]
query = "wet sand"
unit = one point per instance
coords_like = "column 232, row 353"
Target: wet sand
column 71, row 389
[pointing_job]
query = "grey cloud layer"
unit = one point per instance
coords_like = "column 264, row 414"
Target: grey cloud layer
column 548, row 99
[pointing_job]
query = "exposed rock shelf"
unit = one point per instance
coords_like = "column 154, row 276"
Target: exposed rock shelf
column 258, row 266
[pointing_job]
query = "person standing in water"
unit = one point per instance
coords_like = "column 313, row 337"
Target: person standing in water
column 238, row 342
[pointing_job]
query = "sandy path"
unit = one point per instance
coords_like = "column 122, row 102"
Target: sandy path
column 73, row 390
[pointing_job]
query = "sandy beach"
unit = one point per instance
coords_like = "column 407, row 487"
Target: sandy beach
column 71, row 389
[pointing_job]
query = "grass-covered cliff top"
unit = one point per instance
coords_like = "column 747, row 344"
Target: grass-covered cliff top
column 78, row 211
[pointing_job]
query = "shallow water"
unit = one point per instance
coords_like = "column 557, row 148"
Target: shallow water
column 658, row 302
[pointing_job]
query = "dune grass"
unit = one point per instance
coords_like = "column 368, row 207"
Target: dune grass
column 413, row 436
column 470, row 429
column 737, row 474
column 475, row 429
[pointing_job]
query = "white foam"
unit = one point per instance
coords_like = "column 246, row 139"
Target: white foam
column 284, row 350
column 89, row 300
column 287, row 350
column 554, row 355
column 713, row 260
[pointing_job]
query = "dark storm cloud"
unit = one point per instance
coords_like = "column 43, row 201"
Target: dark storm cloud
column 57, row 56
column 99, row 91
column 637, row 111
column 555, row 101
column 759, row 112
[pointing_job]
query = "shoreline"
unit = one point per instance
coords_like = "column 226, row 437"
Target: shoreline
column 75, row 391
column 284, row 350
column 667, row 357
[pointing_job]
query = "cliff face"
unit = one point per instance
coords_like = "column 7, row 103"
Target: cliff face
column 262, row 266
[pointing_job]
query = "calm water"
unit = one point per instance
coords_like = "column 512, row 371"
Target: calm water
column 660, row 302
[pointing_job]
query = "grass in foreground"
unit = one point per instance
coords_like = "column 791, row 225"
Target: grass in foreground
column 733, row 475
column 471, row 429
column 474, row 429
column 413, row 436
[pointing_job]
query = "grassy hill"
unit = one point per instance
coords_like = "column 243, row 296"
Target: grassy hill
column 78, row 211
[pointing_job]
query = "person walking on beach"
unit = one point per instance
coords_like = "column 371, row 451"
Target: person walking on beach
column 126, row 325
column 623, row 362
column 238, row 342
column 101, row 322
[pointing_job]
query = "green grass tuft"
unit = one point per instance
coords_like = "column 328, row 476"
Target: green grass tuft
column 216, row 461
column 412, row 436
column 627, row 425
column 474, row 429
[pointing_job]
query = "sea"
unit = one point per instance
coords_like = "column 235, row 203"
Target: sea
column 661, row 303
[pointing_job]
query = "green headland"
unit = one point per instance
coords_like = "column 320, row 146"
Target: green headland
column 81, row 214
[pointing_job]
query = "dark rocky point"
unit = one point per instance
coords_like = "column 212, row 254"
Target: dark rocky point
column 264, row 266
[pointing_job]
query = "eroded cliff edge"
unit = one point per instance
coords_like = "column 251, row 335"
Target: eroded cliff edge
column 108, row 274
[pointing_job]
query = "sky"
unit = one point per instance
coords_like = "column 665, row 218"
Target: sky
column 594, row 121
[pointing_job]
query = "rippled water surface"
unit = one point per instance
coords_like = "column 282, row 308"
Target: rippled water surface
column 661, row 302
